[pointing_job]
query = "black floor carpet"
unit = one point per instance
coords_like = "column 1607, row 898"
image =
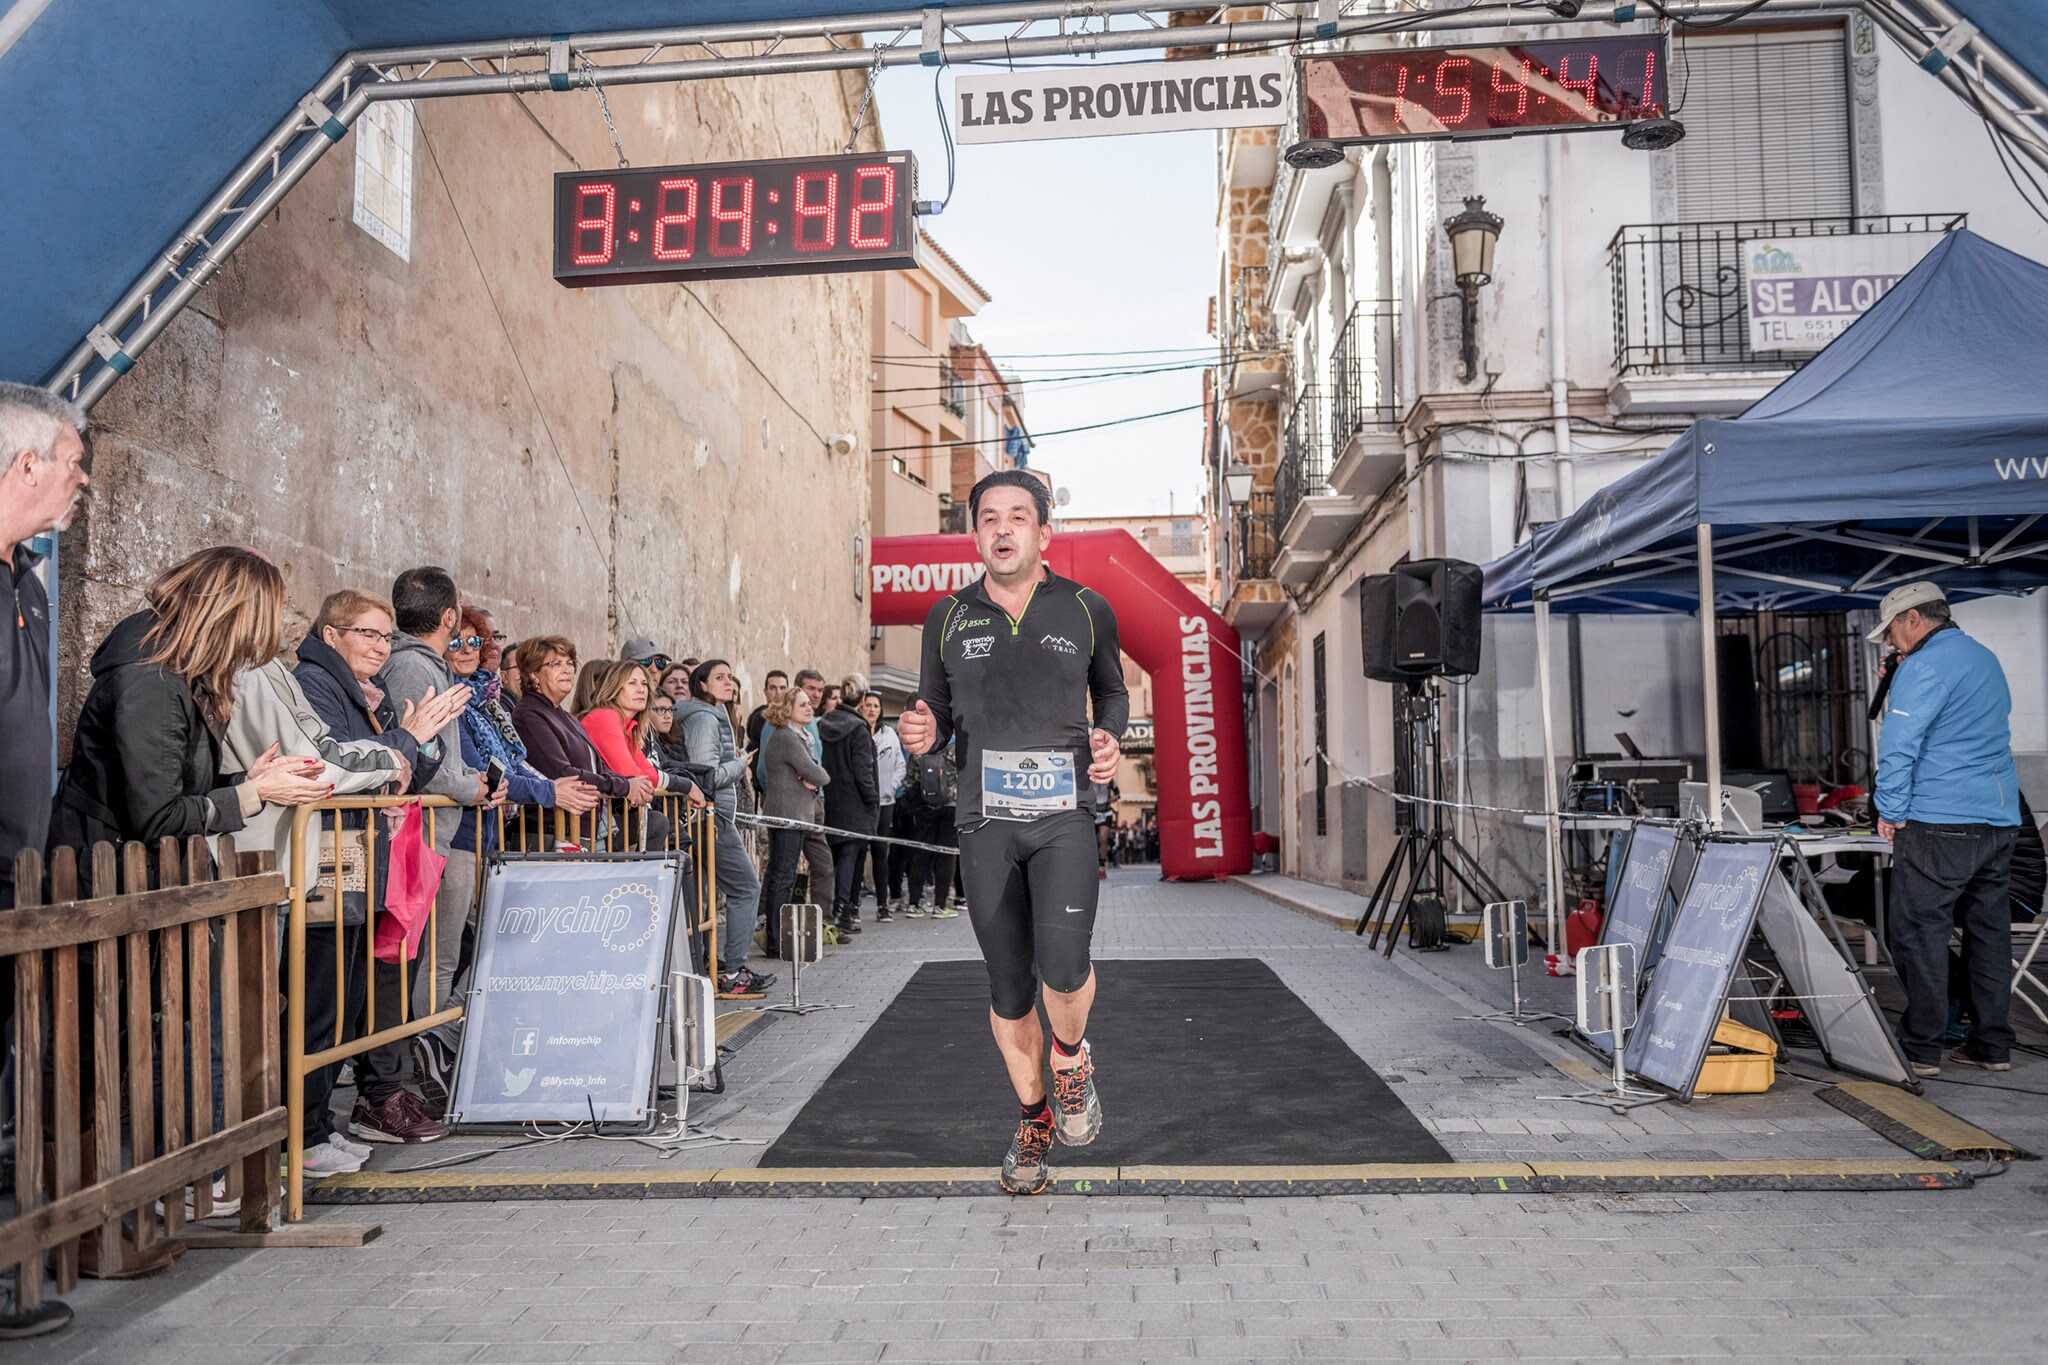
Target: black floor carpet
column 1205, row 1062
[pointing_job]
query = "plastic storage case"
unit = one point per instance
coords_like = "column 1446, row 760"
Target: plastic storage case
column 1740, row 1062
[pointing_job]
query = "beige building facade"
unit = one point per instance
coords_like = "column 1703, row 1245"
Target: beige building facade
column 387, row 375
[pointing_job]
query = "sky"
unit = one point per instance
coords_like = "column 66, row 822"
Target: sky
column 1085, row 244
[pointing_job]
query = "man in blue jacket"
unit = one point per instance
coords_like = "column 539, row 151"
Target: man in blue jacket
column 1948, row 798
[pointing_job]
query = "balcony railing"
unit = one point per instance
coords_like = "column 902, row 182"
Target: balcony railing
column 1679, row 302
column 1258, row 538
column 953, row 392
column 1252, row 326
column 1364, row 373
column 1304, row 458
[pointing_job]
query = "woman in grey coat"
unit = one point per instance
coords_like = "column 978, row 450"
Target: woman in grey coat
column 790, row 791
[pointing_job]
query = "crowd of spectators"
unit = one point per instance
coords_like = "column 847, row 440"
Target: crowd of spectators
column 205, row 716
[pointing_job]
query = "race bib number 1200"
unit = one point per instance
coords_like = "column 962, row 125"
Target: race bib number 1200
column 1026, row 784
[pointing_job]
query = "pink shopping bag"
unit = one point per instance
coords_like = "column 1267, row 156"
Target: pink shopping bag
column 414, row 878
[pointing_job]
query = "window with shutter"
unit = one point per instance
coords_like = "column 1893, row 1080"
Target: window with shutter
column 1745, row 157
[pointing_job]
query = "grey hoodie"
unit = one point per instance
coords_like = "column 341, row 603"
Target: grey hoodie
column 413, row 671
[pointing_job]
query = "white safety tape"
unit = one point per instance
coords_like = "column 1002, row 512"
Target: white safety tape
column 782, row 822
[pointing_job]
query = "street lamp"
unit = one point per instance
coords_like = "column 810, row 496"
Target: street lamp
column 1473, row 234
column 1237, row 483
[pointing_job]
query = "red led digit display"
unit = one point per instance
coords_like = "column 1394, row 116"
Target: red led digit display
column 1400, row 94
column 792, row 216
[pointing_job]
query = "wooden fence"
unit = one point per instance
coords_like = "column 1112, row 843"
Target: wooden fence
column 119, row 1123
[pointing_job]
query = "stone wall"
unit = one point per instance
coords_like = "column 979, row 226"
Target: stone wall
column 608, row 462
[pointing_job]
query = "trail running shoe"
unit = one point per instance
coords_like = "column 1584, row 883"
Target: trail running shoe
column 1077, row 1113
column 1025, row 1169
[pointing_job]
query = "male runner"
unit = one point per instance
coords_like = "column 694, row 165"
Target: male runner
column 1011, row 663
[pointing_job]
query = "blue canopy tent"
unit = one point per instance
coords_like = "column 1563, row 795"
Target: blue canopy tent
column 1914, row 446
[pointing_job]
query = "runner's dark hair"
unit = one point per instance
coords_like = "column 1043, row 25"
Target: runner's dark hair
column 1041, row 496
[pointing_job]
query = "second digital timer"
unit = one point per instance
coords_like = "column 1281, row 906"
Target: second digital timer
column 795, row 215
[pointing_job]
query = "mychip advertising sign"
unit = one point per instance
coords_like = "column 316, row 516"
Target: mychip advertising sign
column 1804, row 291
column 565, row 1008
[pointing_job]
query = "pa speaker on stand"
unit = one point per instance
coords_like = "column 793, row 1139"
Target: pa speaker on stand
column 1418, row 623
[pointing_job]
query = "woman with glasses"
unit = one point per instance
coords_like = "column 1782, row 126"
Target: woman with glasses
column 556, row 745
column 340, row 672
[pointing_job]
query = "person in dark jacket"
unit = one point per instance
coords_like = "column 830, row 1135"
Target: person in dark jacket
column 556, row 743
column 340, row 672
column 42, row 477
column 146, row 755
column 853, row 799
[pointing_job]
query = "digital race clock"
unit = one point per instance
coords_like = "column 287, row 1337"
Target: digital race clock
column 738, row 219
column 1401, row 94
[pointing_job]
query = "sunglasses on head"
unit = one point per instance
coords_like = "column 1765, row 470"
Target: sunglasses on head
column 458, row 643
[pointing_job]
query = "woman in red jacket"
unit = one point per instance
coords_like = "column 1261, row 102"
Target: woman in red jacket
column 617, row 721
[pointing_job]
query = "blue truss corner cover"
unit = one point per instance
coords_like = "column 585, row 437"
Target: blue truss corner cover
column 119, row 117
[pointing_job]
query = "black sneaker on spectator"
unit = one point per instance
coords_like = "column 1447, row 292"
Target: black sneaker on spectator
column 435, row 1070
column 1961, row 1057
column 882, row 915
column 744, row 984
column 401, row 1119
column 19, row 1324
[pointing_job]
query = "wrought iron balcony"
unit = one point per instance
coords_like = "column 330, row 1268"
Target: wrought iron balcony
column 1679, row 303
column 1257, row 537
column 1364, row 372
column 1305, row 455
column 953, row 391
column 1252, row 325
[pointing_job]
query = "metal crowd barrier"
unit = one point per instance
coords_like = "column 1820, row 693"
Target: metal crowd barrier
column 608, row 829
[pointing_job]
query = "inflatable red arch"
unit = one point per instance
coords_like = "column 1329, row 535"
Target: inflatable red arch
column 1191, row 653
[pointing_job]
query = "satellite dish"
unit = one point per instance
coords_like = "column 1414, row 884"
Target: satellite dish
column 1061, row 497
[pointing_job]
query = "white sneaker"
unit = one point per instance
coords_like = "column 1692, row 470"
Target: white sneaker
column 359, row 1150
column 327, row 1159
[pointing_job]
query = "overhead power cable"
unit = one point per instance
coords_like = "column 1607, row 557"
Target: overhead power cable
column 1040, row 435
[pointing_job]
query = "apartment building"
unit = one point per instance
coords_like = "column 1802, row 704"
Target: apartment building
column 1376, row 423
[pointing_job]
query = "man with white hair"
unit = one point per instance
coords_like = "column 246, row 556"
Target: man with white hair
column 42, row 476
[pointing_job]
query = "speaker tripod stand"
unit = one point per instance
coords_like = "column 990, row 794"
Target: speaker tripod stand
column 1429, row 853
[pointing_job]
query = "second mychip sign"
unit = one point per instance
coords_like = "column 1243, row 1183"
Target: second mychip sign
column 1153, row 97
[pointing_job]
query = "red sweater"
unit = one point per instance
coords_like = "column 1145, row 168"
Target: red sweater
column 608, row 732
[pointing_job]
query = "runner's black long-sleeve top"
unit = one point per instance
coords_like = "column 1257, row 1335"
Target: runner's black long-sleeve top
column 996, row 683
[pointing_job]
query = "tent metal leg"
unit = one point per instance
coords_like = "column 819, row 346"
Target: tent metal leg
column 1710, row 677
column 1553, row 868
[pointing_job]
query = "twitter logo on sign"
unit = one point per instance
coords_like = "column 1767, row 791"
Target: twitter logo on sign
column 517, row 1081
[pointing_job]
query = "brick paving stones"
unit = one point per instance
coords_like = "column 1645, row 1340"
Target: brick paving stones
column 1907, row 1276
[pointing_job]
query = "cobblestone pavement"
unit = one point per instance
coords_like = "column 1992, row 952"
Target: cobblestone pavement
column 1909, row 1276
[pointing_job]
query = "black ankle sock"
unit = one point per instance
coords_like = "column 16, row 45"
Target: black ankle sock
column 1040, row 1112
column 1063, row 1048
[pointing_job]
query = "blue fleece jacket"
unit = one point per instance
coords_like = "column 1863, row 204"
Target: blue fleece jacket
column 1944, row 756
